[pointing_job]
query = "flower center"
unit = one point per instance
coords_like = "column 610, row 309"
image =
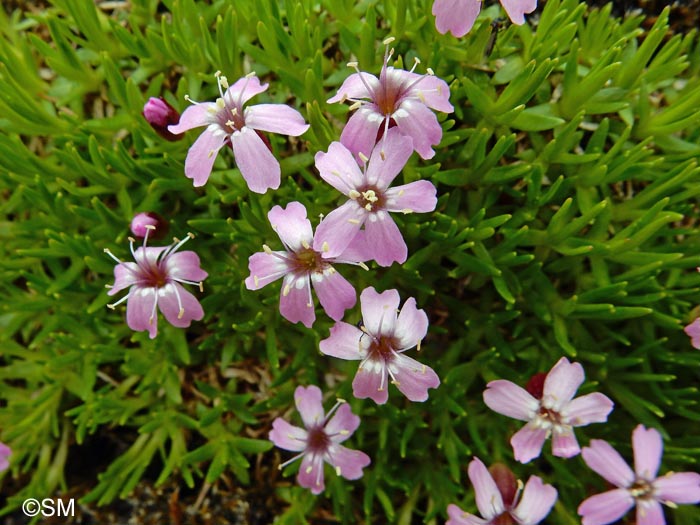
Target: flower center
column 308, row 260
column 383, row 347
column 503, row 519
column 229, row 117
column 318, row 441
column 550, row 416
column 641, row 489
column 369, row 197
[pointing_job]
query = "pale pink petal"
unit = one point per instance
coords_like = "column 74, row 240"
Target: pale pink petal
column 415, row 197
column 388, row 158
column 170, row 306
column 536, row 501
column 488, row 498
column 605, row 508
column 527, row 442
column 195, row 116
column 430, row 90
column 5, row 452
column 648, row 448
column 288, row 436
column 360, row 132
column 296, row 304
column 678, row 487
column 185, row 265
column 345, row 342
column 342, row 425
column 338, row 229
column 564, row 444
column 516, row 9
column 601, row 457
column 334, row 293
column 275, row 118
column 413, row 379
column 257, row 164
column 355, row 86
column 415, row 120
column 561, row 384
column 202, row 154
column 243, row 90
column 411, row 325
column 649, row 512
column 356, row 251
column 459, row 517
column 693, row 331
column 371, row 381
column 456, row 16
column 139, row 308
column 265, row 268
column 348, row 463
column 339, row 168
column 385, row 239
column 309, row 402
column 148, row 256
column 311, row 473
column 126, row 274
column 591, row 408
column 379, row 310
column 507, row 398
column 292, row 226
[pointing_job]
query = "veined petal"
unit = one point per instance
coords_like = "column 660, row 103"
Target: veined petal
column 415, row 120
column 343, row 424
column 389, row 157
column 348, row 463
column 360, row 132
column 648, row 448
column 516, row 9
column 309, row 402
column 693, row 331
column 527, row 442
column 411, row 325
column 384, row 237
column 488, row 498
column 275, row 118
column 243, row 90
column 195, row 116
column 339, row 168
column 311, row 473
column 139, row 308
column 126, row 274
column 345, row 342
column 602, row 458
column 355, row 86
column 296, row 304
column 357, row 251
column 288, row 437
column 257, row 164
column 455, row 16
column 184, row 265
column 678, row 487
column 649, row 512
column 413, row 379
column 536, row 501
column 507, row 398
column 266, row 268
column 334, row 292
column 292, row 226
column 170, row 306
column 202, row 154
column 561, row 384
column 564, row 443
column 338, row 229
column 415, row 197
column 605, row 508
column 379, row 310
column 459, row 517
column 591, row 408
column 431, row 91
column 372, row 381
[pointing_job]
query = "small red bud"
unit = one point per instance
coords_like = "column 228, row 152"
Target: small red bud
column 160, row 115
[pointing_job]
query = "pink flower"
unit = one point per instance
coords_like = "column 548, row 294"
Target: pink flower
column 397, row 98
column 147, row 222
column 553, row 411
column 380, row 345
column 693, row 331
column 641, row 488
column 5, row 453
column 302, row 266
column 370, row 199
column 154, row 283
column 458, row 16
column 320, row 441
column 159, row 114
column 498, row 498
column 228, row 123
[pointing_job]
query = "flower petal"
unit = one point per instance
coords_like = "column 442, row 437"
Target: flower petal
column 516, row 9
column 693, row 331
column 309, row 402
column 536, row 501
column 564, row 444
column 507, row 398
column 678, row 487
column 379, row 310
column 413, row 379
column 275, row 118
column 591, row 408
column 371, row 380
column 126, row 274
column 389, row 157
column 170, row 306
column 605, row 508
column 338, row 229
column 355, row 86
column 334, row 292
column 561, row 384
column 488, row 498
column 415, row 120
column 257, row 164
column 184, row 265
column 348, row 463
column 195, row 116
column 602, row 458
column 384, row 237
column 202, row 154
column 288, row 437
column 296, row 304
column 648, row 448
column 411, row 325
column 292, row 226
column 311, row 473
column 456, row 16
column 243, row 90
column 649, row 512
column 527, row 442
column 459, row 517
column 415, row 197
column 345, row 342
column 139, row 308
column 430, row 90
column 265, row 268
column 343, row 424
column 339, row 168
column 5, row 452
column 360, row 132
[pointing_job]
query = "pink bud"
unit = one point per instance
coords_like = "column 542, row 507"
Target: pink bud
column 160, row 115
column 144, row 221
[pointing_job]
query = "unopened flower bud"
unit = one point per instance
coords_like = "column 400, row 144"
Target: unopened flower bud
column 160, row 115
column 144, row 221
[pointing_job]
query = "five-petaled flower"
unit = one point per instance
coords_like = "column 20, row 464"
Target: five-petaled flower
column 499, row 500
column 398, row 98
column 320, row 441
column 458, row 16
column 380, row 344
column 370, row 199
column 228, row 123
column 5, row 453
column 641, row 488
column 551, row 411
column 154, row 283
column 302, row 266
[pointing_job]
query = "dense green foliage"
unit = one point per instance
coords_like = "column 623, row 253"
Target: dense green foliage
column 567, row 224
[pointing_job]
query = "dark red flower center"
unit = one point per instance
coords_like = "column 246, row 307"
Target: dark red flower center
column 371, row 198
column 318, row 440
column 641, row 489
column 308, row 260
column 383, row 347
